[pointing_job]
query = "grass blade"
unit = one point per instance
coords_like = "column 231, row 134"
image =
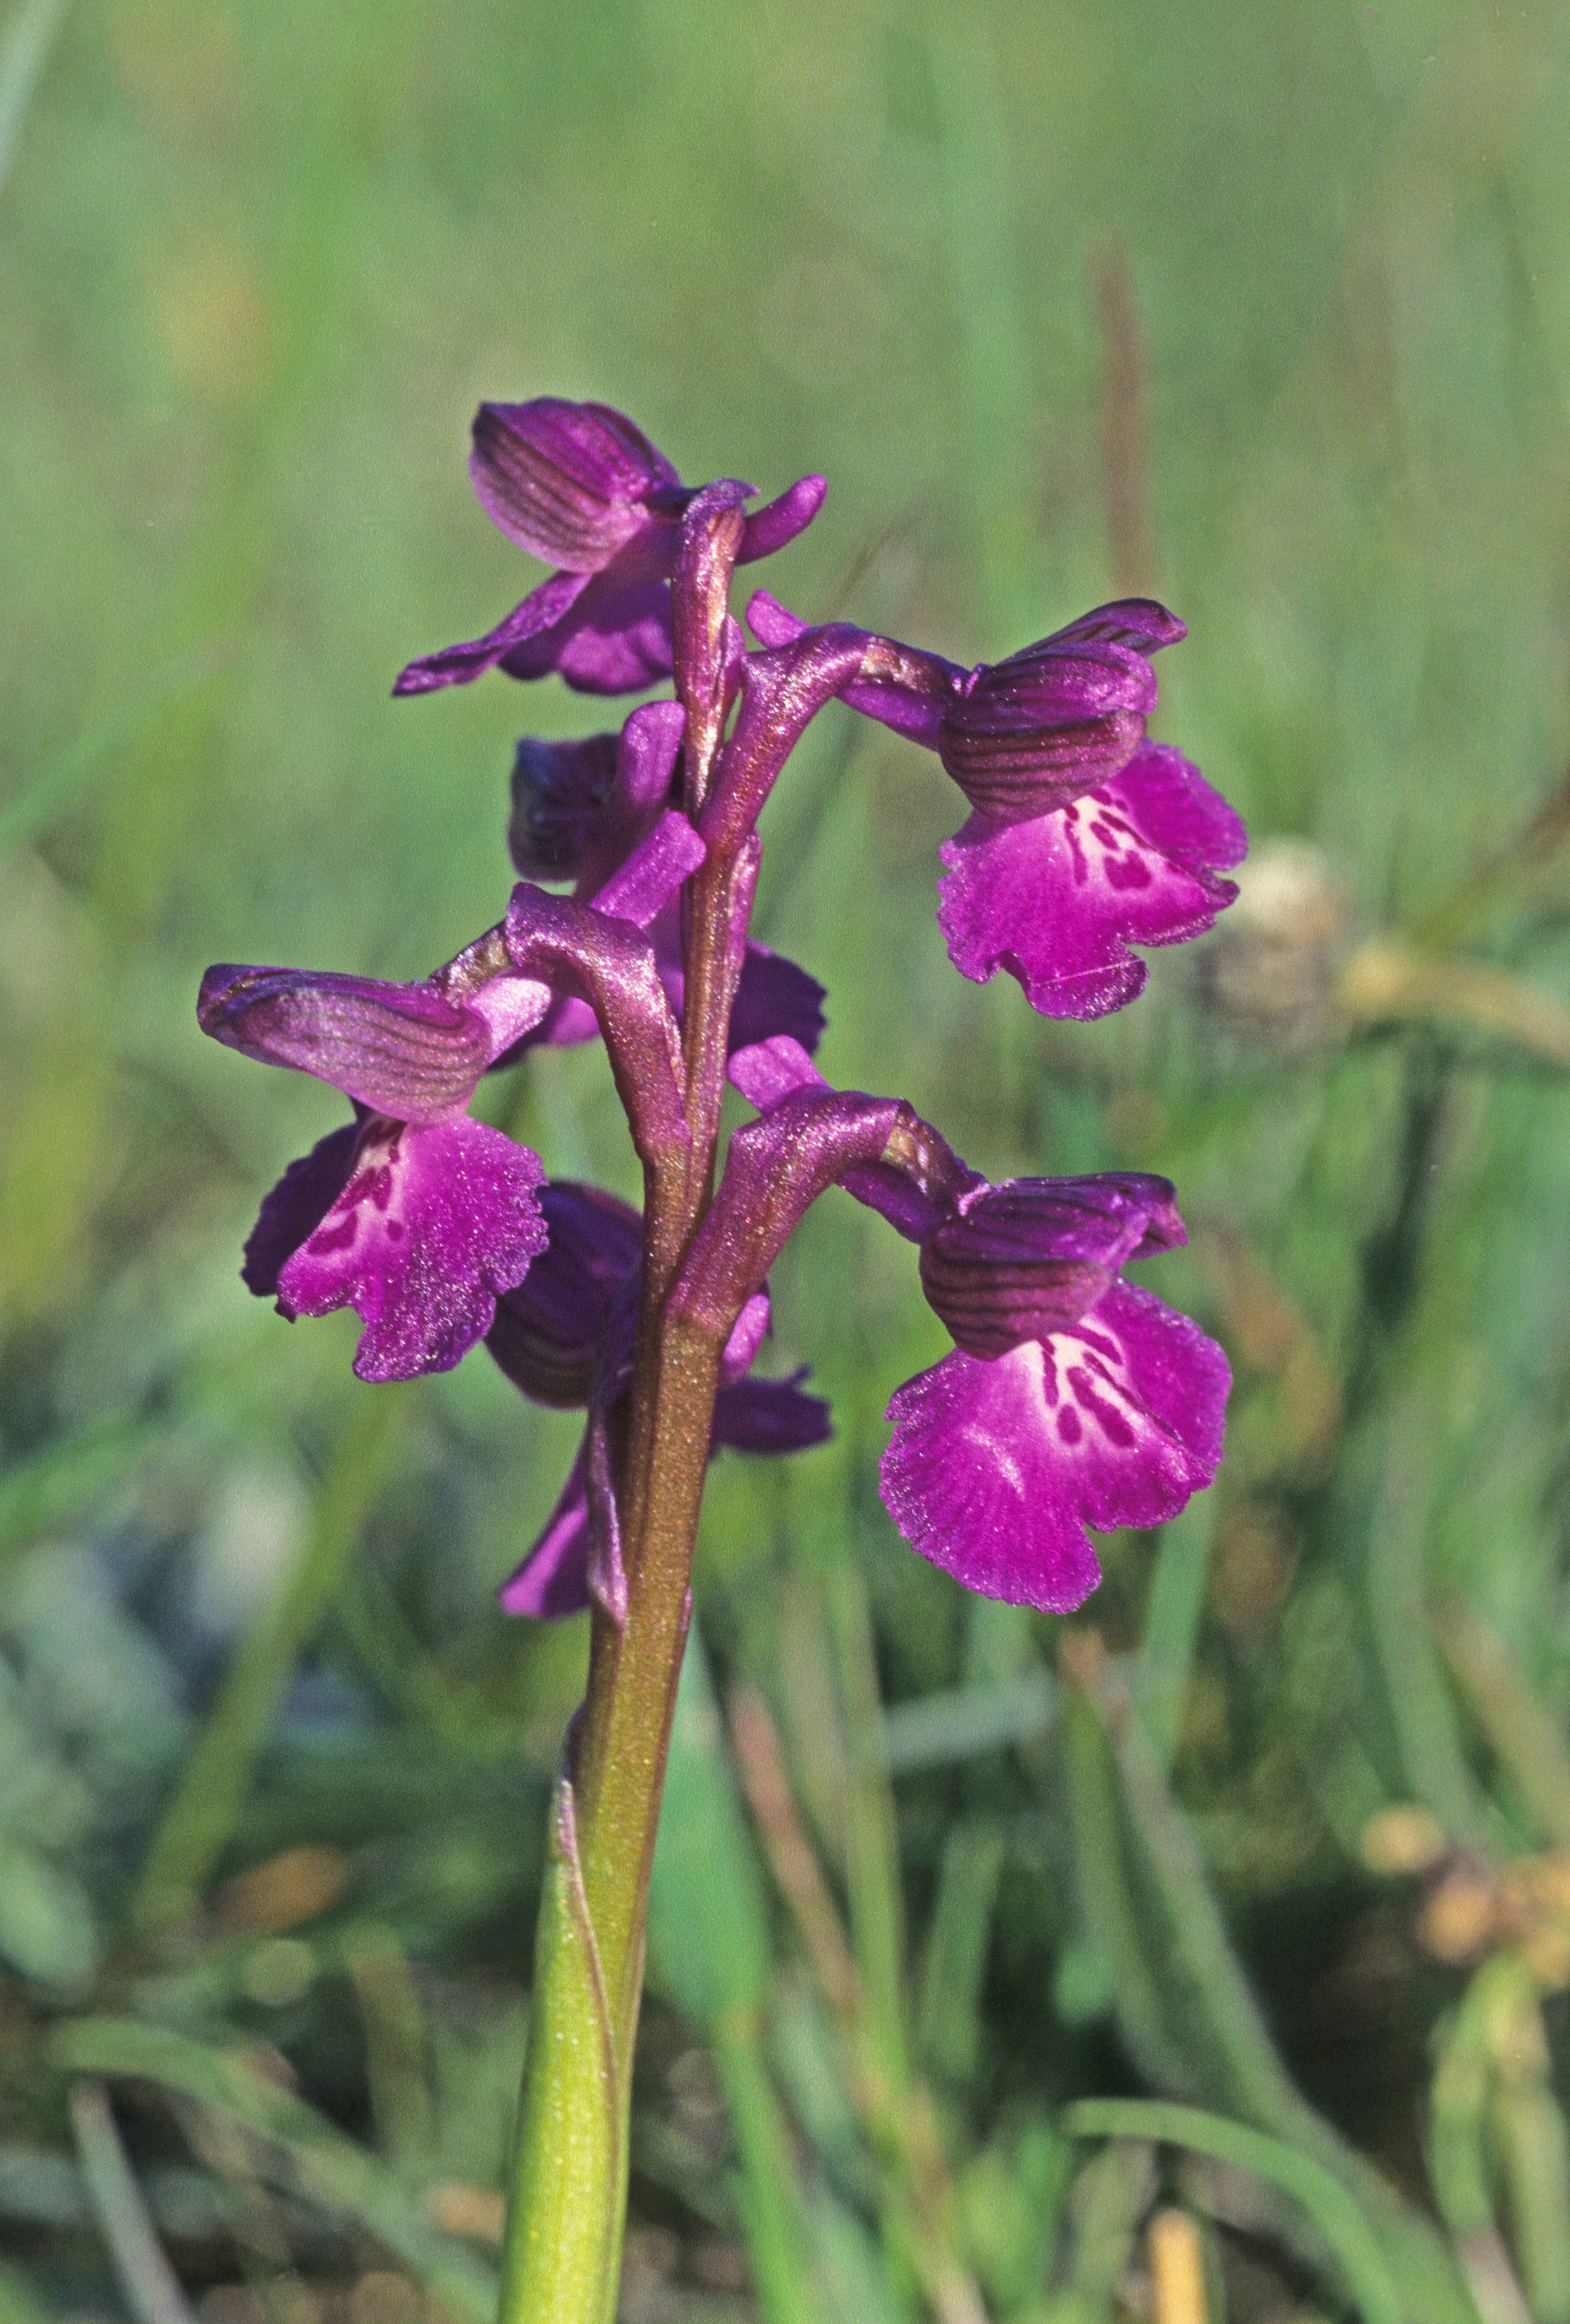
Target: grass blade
column 203, row 1814
column 321, row 2160
column 29, row 38
column 1339, row 2218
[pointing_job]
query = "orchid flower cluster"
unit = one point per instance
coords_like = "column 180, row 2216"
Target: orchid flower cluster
column 1071, row 1397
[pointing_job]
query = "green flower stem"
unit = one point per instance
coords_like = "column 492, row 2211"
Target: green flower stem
column 563, row 2248
column 562, row 2255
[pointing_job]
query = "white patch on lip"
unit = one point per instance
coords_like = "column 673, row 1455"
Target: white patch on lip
column 1089, row 1370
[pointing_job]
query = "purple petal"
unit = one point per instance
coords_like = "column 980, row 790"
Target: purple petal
column 614, row 640
column 775, row 997
column 565, row 481
column 437, row 1220
column 646, row 883
column 297, row 1206
column 780, row 521
column 400, row 1049
column 553, row 1580
column 1036, row 730
column 548, row 1332
column 647, row 752
column 561, row 804
column 1058, row 901
column 747, row 1336
column 995, row 1470
column 542, row 614
column 765, row 1416
column 1018, row 1260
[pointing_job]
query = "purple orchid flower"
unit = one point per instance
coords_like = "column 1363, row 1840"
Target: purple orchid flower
column 414, row 1215
column 580, row 487
column 579, row 809
column 563, row 1337
column 1083, row 838
column 1071, row 1399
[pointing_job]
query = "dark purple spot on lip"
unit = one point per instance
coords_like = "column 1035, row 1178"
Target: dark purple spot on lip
column 1071, row 834
column 1068, row 1426
column 395, row 1230
column 380, row 1189
column 1107, row 1416
column 1048, row 1379
column 329, row 1239
column 1124, row 871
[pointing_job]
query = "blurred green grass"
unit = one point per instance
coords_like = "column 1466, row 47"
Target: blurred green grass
column 1265, row 307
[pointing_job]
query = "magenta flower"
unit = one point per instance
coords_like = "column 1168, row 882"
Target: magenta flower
column 1083, row 838
column 580, row 487
column 1071, row 1399
column 414, row 1215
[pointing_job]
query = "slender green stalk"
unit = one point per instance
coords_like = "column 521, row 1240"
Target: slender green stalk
column 562, row 2257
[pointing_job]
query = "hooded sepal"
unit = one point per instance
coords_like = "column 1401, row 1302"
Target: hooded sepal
column 1022, row 1259
column 1020, row 737
column 401, row 1049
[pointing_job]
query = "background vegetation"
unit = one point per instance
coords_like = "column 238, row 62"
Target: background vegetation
column 1204, row 1957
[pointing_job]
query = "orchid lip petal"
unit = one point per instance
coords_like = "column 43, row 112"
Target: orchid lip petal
column 994, row 1471
column 1058, row 900
column 437, row 1220
column 296, row 1207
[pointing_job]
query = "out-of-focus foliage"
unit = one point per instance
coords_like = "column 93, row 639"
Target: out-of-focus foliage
column 1205, row 1957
